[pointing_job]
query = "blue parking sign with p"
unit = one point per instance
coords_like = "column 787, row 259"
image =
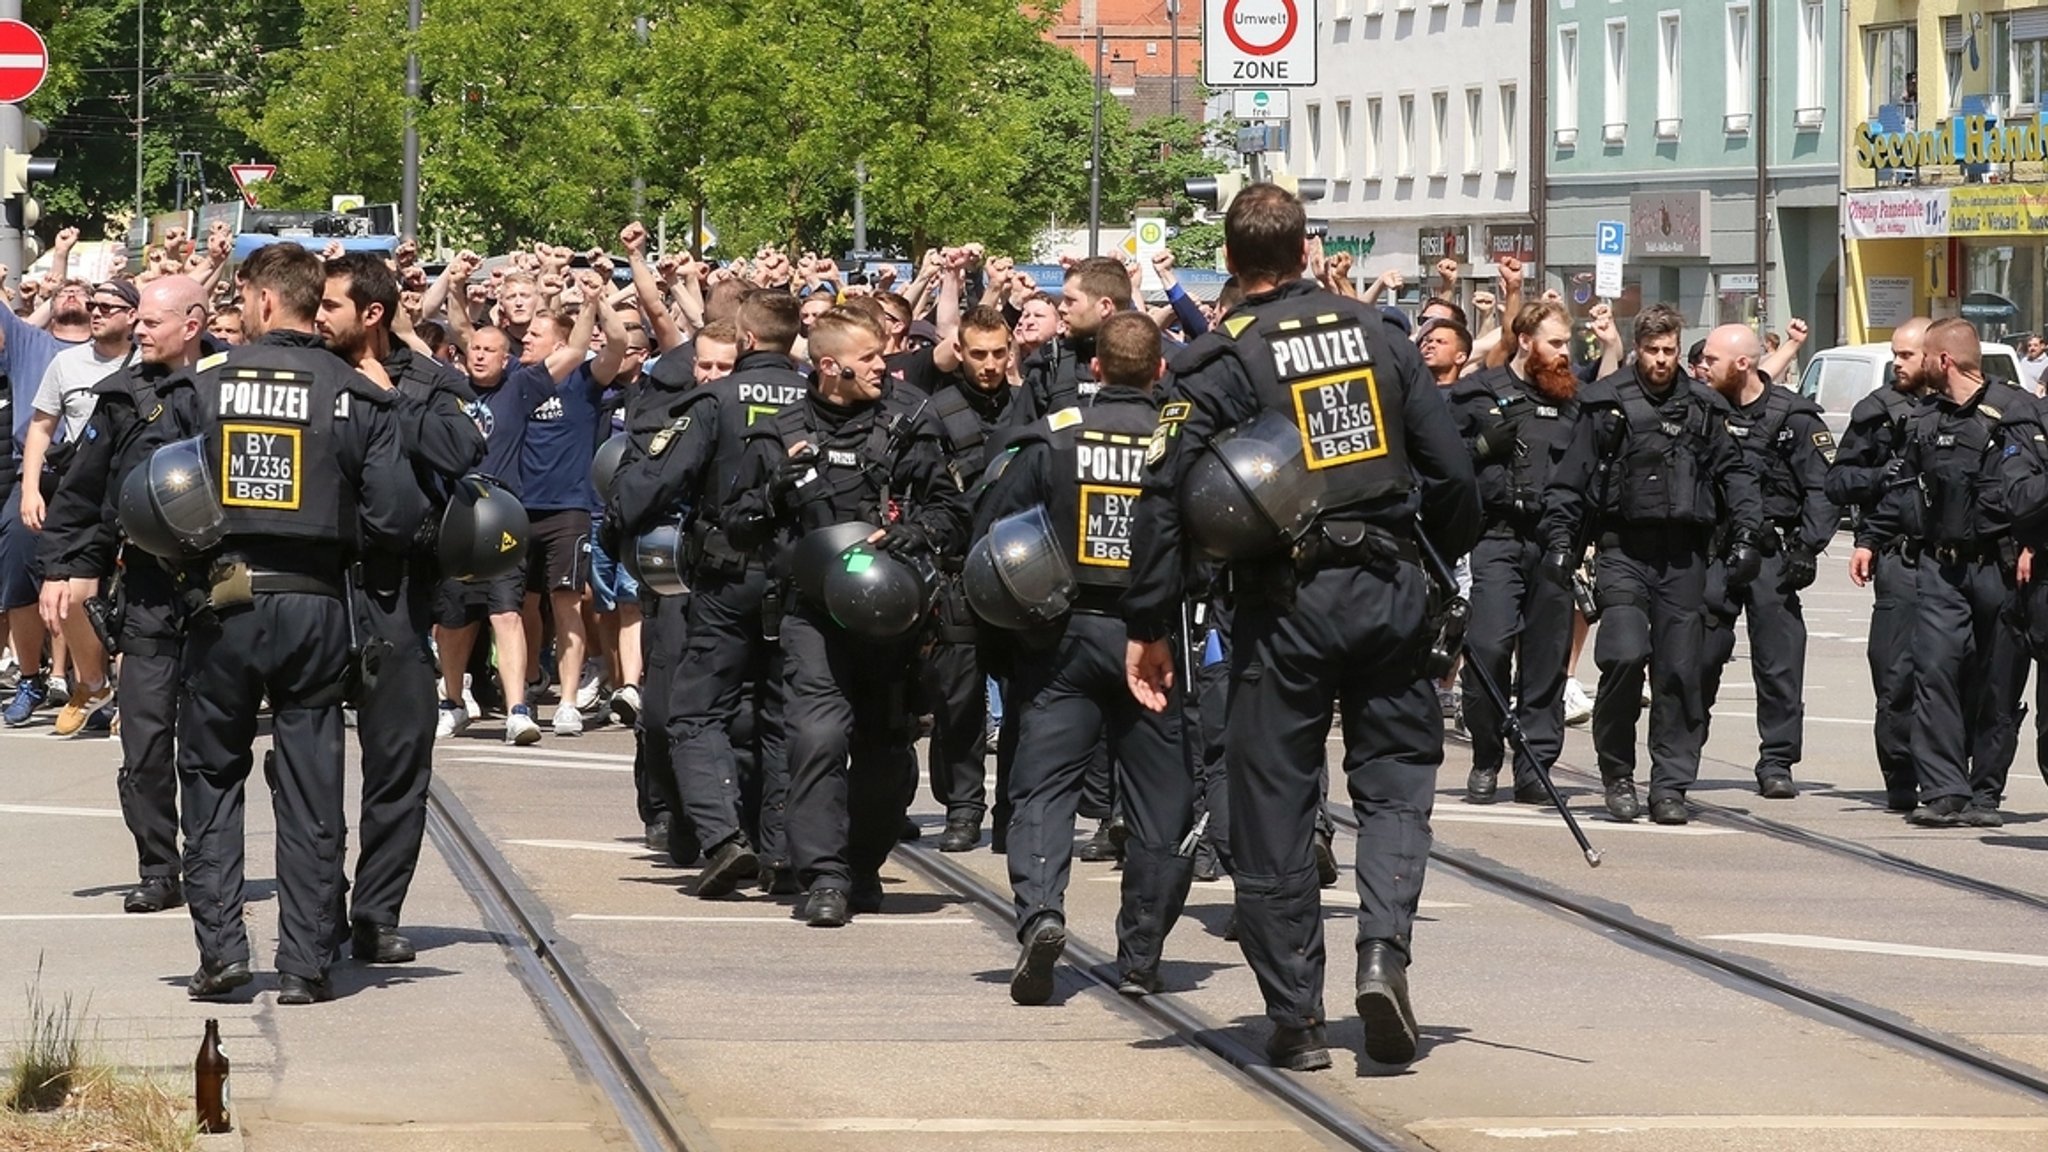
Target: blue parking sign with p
column 1611, row 239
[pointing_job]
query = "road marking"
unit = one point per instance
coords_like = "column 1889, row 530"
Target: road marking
column 1883, row 948
column 1553, row 1127
column 542, row 762
column 1449, row 816
column 1851, row 721
column 966, row 1125
column 587, row 846
column 777, row 920
column 57, row 810
column 40, row 917
column 552, row 752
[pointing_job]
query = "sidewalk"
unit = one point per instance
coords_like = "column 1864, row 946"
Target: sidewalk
column 447, row 1054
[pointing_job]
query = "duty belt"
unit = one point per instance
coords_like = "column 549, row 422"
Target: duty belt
column 1965, row 553
column 1351, row 543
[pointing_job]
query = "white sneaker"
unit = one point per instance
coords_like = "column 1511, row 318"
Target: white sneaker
column 520, row 728
column 60, row 692
column 1578, row 707
column 588, row 691
column 469, row 698
column 625, row 705
column 568, row 721
column 452, row 720
column 1646, row 691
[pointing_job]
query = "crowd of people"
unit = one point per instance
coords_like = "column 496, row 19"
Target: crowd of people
column 783, row 521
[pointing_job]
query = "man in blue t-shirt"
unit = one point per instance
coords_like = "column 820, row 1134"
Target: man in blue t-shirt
column 554, row 473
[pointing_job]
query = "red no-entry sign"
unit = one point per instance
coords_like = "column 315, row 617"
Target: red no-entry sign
column 24, row 61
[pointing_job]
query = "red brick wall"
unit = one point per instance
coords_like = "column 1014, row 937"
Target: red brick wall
column 1137, row 49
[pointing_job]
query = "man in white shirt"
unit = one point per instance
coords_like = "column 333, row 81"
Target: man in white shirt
column 2034, row 364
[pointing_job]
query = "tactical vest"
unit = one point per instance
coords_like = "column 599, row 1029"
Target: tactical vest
column 1098, row 466
column 1662, row 476
column 965, row 430
column 1324, row 361
column 1947, row 449
column 746, row 399
column 853, row 464
column 1763, row 433
column 1543, row 426
column 274, row 412
column 1064, row 380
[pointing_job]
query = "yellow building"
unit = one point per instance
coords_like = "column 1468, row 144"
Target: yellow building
column 1946, row 204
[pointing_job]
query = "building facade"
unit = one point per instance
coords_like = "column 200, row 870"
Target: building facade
column 1151, row 51
column 1420, row 125
column 1653, row 120
column 1946, row 209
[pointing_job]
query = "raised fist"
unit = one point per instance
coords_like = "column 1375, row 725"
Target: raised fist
column 633, row 238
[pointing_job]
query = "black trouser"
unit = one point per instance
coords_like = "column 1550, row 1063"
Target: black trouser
column 1777, row 660
column 1212, row 701
column 1651, row 588
column 1890, row 653
column 1355, row 637
column 395, row 730
column 852, row 771
column 664, row 631
column 727, row 675
column 957, row 757
column 1971, row 668
column 1521, row 632
column 294, row 649
column 148, row 706
column 1070, row 698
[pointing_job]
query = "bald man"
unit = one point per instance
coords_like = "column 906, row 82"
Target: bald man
column 147, row 403
column 1789, row 447
column 1949, row 502
column 1866, row 461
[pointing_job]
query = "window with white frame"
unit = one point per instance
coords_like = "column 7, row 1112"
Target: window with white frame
column 1566, row 103
column 1739, row 87
column 1404, row 137
column 1369, row 146
column 1439, row 131
column 1667, row 76
column 1340, row 142
column 1614, row 98
column 1811, row 108
column 1509, row 134
column 1891, row 59
column 1474, row 143
column 2027, row 74
column 1313, row 159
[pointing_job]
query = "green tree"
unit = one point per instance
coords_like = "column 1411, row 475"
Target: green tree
column 1051, row 186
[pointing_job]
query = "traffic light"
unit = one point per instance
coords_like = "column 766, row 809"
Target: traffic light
column 1306, row 187
column 1217, row 191
column 17, row 169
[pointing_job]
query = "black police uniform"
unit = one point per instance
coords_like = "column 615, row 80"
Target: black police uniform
column 845, row 697
column 1948, row 500
column 1084, row 467
column 311, row 463
column 1343, row 619
column 1867, row 460
column 1650, row 475
column 1520, row 622
column 394, row 606
column 1789, row 448
column 137, row 410
column 1059, row 375
column 734, row 683
column 955, row 691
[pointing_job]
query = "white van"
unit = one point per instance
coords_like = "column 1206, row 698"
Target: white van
column 1838, row 377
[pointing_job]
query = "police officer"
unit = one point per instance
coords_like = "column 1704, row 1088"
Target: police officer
column 393, row 595
column 1519, row 419
column 302, row 459
column 1341, row 420
column 1057, row 375
column 1790, row 448
column 1949, row 501
column 848, row 463
column 1866, row 462
column 971, row 403
column 140, row 408
column 1074, row 477
column 1650, row 473
column 734, row 668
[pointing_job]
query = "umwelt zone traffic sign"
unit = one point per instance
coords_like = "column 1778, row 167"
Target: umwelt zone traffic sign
column 1258, row 43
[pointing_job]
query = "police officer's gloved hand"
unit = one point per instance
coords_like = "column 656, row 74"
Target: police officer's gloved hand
column 903, row 539
column 788, row 477
column 1496, row 441
column 1744, row 560
column 1557, row 568
column 1801, row 566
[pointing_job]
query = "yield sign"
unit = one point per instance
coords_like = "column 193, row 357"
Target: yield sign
column 24, row 61
column 247, row 174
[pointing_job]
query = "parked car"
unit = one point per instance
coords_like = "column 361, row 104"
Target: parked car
column 1837, row 378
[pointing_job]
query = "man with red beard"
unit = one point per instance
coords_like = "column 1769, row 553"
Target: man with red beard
column 1518, row 419
column 1650, row 475
column 1789, row 446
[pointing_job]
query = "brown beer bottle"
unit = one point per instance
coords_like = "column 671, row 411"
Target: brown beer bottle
column 210, row 1074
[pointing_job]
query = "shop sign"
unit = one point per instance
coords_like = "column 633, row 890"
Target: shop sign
column 1664, row 225
column 1958, row 140
column 1901, row 214
column 1998, row 210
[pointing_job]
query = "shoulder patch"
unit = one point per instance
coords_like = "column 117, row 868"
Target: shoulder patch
column 1988, row 410
column 1063, row 419
column 208, row 363
column 1175, row 412
column 1825, row 442
column 1236, row 325
column 667, row 435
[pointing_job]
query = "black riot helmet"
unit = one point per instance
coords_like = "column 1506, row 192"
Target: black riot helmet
column 1251, row 493
column 605, row 465
column 1016, row 577
column 168, row 505
column 656, row 559
column 483, row 531
column 818, row 551
column 873, row 594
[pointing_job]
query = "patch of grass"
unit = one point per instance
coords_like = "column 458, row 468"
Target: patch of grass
column 58, row 1096
column 46, row 1065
